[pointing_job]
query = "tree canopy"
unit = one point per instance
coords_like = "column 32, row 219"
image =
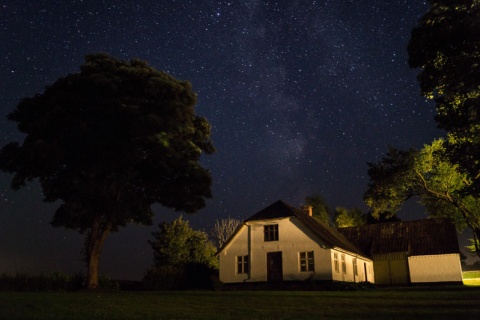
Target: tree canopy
column 349, row 218
column 109, row 142
column 445, row 46
column 426, row 173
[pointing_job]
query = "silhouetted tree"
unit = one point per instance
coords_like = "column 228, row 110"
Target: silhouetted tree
column 445, row 46
column 109, row 142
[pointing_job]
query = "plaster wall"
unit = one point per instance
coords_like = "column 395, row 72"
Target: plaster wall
column 435, row 268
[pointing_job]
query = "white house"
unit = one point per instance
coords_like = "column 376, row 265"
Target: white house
column 282, row 243
column 422, row 251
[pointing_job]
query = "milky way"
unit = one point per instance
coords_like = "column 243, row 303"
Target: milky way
column 300, row 94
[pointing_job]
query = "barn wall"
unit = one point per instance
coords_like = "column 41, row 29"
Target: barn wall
column 435, row 268
column 391, row 268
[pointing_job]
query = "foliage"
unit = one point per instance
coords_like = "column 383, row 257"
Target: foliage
column 445, row 46
column 428, row 174
column 177, row 244
column 189, row 276
column 32, row 283
column 56, row 281
column 183, row 258
column 349, row 218
column 320, row 210
column 109, row 142
column 370, row 219
column 223, row 229
column 474, row 243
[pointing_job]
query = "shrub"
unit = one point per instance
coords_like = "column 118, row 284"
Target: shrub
column 53, row 282
column 191, row 276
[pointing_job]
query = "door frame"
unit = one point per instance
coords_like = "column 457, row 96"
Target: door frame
column 274, row 266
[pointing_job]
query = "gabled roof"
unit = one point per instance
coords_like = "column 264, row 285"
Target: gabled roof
column 276, row 210
column 329, row 235
column 420, row 237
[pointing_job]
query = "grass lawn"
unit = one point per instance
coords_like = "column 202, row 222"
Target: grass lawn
column 410, row 303
column 471, row 282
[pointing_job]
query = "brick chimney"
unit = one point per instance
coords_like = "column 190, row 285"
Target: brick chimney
column 307, row 209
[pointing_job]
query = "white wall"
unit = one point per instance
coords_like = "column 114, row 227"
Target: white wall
column 435, row 268
column 363, row 265
column 237, row 247
column 294, row 238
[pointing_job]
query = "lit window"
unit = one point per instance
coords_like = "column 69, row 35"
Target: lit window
column 335, row 262
column 271, row 232
column 307, row 262
column 344, row 264
column 242, row 264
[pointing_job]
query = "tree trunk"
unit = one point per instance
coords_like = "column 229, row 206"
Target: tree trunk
column 476, row 237
column 96, row 240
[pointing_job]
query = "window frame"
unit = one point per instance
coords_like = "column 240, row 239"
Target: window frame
column 270, row 232
column 344, row 264
column 306, row 260
column 243, row 264
column 355, row 267
column 335, row 262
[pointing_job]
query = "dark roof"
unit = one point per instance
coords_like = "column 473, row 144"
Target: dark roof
column 421, row 237
column 276, row 210
column 328, row 234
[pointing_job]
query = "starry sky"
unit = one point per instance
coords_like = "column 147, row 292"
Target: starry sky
column 300, row 94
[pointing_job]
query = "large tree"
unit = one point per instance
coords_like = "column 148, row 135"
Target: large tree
column 445, row 46
column 428, row 174
column 109, row 142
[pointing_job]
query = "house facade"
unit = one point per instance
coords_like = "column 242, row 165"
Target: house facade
column 282, row 243
column 410, row 252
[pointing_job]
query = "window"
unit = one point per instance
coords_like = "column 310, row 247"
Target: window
column 335, row 262
column 355, row 270
column 307, row 262
column 344, row 264
column 271, row 232
column 242, row 264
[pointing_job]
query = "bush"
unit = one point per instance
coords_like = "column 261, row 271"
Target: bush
column 105, row 283
column 165, row 278
column 192, row 276
column 53, row 282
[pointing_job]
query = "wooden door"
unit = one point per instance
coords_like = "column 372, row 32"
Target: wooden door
column 274, row 266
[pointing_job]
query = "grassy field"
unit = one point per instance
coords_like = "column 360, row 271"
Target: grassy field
column 435, row 303
column 472, row 282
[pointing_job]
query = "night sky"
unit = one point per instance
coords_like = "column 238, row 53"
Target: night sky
column 300, row 94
